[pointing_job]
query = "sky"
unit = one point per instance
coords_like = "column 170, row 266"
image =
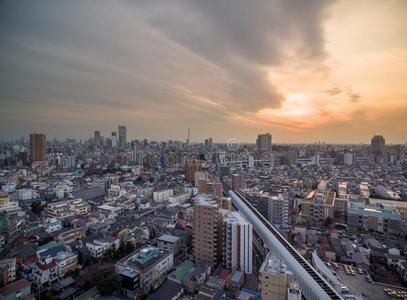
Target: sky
column 305, row 71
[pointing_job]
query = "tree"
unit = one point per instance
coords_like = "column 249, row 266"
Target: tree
column 36, row 207
column 107, row 283
column 328, row 221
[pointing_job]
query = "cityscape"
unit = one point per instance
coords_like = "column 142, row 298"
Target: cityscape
column 198, row 150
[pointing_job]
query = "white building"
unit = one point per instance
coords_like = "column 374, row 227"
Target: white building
column 348, row 159
column 7, row 205
column 150, row 264
column 98, row 247
column 237, row 246
column 109, row 212
column 66, row 209
column 26, row 194
column 52, row 224
column 164, row 195
column 278, row 209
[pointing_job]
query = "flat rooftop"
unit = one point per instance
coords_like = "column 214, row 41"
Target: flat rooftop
column 144, row 259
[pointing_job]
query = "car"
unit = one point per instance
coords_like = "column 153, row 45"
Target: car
column 369, row 279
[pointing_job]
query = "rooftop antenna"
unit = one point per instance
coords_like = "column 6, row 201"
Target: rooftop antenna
column 189, row 135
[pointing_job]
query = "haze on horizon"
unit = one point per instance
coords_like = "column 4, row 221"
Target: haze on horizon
column 305, row 71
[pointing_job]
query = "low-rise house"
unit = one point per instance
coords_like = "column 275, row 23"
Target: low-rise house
column 7, row 271
column 21, row 289
column 52, row 224
column 69, row 236
column 98, row 247
column 45, row 272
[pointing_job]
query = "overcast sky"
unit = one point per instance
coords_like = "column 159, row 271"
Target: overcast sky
column 304, row 71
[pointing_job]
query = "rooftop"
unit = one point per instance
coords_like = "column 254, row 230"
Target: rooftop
column 273, row 264
column 144, row 259
column 168, row 238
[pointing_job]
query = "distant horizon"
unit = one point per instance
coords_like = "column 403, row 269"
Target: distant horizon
column 201, row 140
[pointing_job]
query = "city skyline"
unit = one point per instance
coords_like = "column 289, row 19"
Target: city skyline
column 311, row 72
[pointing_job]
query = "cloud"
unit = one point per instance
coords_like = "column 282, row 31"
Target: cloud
column 334, row 91
column 354, row 97
column 143, row 62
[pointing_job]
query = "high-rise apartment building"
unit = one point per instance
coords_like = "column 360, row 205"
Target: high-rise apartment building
column 122, row 136
column 278, row 209
column 236, row 181
column 207, row 233
column 191, row 168
column 377, row 148
column 208, row 186
column 237, row 243
column 263, row 143
column 38, row 144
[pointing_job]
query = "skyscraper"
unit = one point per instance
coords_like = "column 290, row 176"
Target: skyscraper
column 98, row 139
column 377, row 148
column 263, row 143
column 38, row 144
column 237, row 243
column 122, row 136
column 207, row 236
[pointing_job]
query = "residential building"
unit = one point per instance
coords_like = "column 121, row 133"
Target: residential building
column 169, row 243
column 378, row 217
column 66, row 209
column 163, row 195
column 21, row 289
column 208, row 229
column 7, row 271
column 144, row 270
column 274, row 279
column 98, row 247
column 210, row 187
column 52, row 224
column 278, row 209
column 237, row 243
column 319, row 205
column 236, row 181
column 71, row 235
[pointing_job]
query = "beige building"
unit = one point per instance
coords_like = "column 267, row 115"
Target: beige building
column 208, row 227
column 318, row 206
column 275, row 280
column 208, row 186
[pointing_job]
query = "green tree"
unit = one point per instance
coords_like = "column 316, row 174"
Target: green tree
column 36, row 207
column 107, row 283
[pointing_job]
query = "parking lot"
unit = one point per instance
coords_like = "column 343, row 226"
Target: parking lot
column 358, row 284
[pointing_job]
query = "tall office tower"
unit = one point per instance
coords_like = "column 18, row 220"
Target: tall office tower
column 377, row 148
column 278, row 209
column 237, row 243
column 98, row 138
column 122, row 136
column 207, row 233
column 114, row 139
column 263, row 143
column 236, row 181
column 38, row 144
